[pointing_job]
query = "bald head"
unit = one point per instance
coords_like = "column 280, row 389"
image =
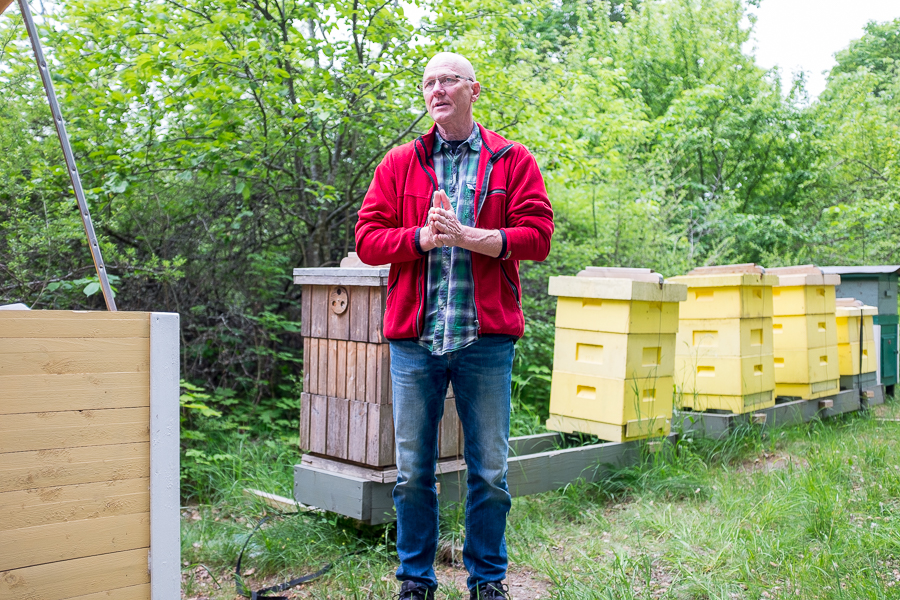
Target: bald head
column 454, row 62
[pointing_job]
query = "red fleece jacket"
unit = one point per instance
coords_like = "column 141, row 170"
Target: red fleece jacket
column 513, row 199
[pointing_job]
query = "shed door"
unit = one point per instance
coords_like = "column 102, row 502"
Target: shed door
column 889, row 355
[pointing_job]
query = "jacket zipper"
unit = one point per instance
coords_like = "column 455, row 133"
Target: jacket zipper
column 424, row 261
column 515, row 290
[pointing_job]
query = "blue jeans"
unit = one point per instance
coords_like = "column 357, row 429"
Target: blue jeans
column 481, row 376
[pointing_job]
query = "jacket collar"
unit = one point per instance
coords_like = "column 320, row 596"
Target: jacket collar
column 490, row 141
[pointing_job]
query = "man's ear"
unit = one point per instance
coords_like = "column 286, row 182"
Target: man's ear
column 476, row 91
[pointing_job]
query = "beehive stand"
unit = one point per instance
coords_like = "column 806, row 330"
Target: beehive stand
column 89, row 455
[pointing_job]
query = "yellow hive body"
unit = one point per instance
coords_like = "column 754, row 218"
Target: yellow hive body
column 715, row 338
column 849, row 312
column 727, row 376
column 724, row 346
column 614, row 353
column 805, row 332
column 727, row 296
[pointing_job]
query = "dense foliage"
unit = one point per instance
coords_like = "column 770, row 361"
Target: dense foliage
column 223, row 143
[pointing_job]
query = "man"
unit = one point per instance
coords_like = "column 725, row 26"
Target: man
column 453, row 212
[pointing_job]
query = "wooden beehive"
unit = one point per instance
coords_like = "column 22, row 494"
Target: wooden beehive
column 614, row 353
column 805, row 332
column 89, row 445
column 724, row 353
column 346, row 405
column 849, row 312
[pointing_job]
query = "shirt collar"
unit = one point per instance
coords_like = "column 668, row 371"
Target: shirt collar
column 474, row 140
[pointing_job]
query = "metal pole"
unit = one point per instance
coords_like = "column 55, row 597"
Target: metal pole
column 67, row 152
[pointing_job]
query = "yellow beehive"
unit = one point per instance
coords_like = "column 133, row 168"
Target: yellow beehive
column 614, row 353
column 849, row 312
column 805, row 332
column 724, row 346
column 715, row 338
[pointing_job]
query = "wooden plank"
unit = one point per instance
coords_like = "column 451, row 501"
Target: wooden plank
column 73, row 327
column 383, row 375
column 449, row 442
column 338, row 416
column 343, row 494
column 322, row 366
column 372, row 373
column 359, row 314
column 73, row 315
column 305, row 310
column 375, row 474
column 74, row 391
column 357, row 431
column 340, row 389
column 350, row 385
column 70, row 466
column 318, row 423
column 58, row 581
column 331, row 388
column 74, row 437
column 376, row 315
column 60, row 363
column 72, row 418
column 532, row 444
column 4, row 4
column 319, row 324
column 48, row 345
column 311, row 365
column 30, row 508
column 306, row 344
column 134, row 592
column 87, row 537
column 338, row 323
column 361, row 361
column 305, row 400
column 380, row 438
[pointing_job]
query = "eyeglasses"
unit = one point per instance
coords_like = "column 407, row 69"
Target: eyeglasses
column 446, row 81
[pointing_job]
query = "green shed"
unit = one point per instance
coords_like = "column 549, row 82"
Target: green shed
column 876, row 286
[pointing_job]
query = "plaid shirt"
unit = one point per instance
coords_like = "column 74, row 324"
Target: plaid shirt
column 451, row 320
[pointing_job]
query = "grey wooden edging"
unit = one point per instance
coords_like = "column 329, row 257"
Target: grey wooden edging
column 362, row 276
column 536, row 464
column 164, row 561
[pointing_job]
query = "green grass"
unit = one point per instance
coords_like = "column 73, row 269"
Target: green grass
column 809, row 512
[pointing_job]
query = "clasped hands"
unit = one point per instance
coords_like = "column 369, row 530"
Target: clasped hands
column 442, row 227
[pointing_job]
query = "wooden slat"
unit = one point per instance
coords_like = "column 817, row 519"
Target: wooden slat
column 372, row 373
column 60, row 363
column 338, row 324
column 449, row 430
column 135, row 592
column 380, row 435
column 75, row 315
column 72, row 418
column 306, row 364
column 305, row 310
column 74, row 327
column 69, row 429
column 319, row 324
column 356, row 437
column 70, row 466
column 93, row 345
column 305, row 400
column 87, row 537
column 318, row 424
column 30, row 508
column 311, row 366
column 361, row 360
column 338, row 415
column 331, row 388
column 383, row 376
column 376, row 314
column 78, row 391
column 340, row 389
column 350, row 372
column 359, row 314
column 58, row 581
column 322, row 366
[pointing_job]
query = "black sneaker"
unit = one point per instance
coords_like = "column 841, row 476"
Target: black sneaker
column 493, row 590
column 410, row 590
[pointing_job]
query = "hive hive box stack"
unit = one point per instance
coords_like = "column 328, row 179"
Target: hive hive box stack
column 805, row 333
column 614, row 353
column 857, row 369
column 346, row 405
column 723, row 352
